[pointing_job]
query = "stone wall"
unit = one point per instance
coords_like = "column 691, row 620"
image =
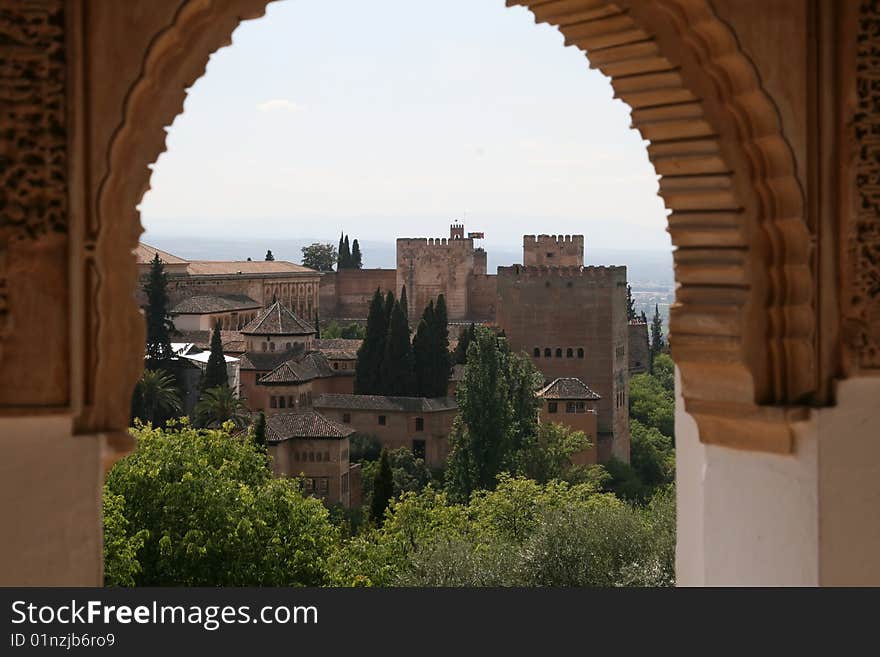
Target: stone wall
column 430, row 267
column 483, row 297
column 347, row 294
column 566, row 310
column 639, row 349
column 558, row 250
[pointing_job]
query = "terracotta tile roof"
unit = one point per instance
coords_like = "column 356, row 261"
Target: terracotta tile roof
column 568, row 388
column 277, row 320
column 303, row 424
column 382, row 403
column 339, row 348
column 202, row 305
column 299, row 369
column 233, row 341
column 231, row 267
column 145, row 254
column 266, row 361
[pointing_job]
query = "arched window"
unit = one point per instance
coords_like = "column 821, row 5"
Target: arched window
column 569, row 353
column 559, row 352
column 281, row 402
column 537, row 352
column 271, row 346
column 548, row 352
column 580, row 352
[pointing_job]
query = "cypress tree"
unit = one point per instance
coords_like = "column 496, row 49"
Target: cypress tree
column 159, row 326
column 389, row 307
column 372, row 349
column 644, row 318
column 260, row 430
column 422, row 345
column 345, row 254
column 465, row 337
column 383, row 489
column 630, row 304
column 396, row 373
column 269, row 256
column 356, row 259
column 403, row 303
column 215, row 371
column 341, row 262
column 317, row 326
column 657, row 342
column 440, row 362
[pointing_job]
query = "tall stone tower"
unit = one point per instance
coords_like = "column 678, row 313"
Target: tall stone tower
column 550, row 250
column 456, row 231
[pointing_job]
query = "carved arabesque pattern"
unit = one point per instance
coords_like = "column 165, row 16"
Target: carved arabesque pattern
column 33, row 144
column 864, row 236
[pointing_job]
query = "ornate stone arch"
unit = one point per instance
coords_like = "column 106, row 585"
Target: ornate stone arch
column 743, row 323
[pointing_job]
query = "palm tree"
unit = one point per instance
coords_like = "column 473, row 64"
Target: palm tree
column 219, row 405
column 156, row 396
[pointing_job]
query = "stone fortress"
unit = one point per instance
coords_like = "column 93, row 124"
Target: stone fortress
column 570, row 318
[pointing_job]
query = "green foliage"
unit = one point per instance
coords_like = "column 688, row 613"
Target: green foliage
column 155, row 398
column 549, row 455
column 215, row 371
column 372, row 350
column 520, row 534
column 497, row 423
column 383, row 489
column 441, row 367
column 320, row 257
column 396, row 372
column 259, row 431
column 630, row 304
column 211, row 515
column 344, row 260
column 652, row 455
column 159, row 324
column 408, row 473
column 219, row 405
column 421, row 345
column 465, row 337
column 121, row 548
column 651, row 403
column 352, row 331
column 404, row 304
column 658, row 343
column 356, row 257
column 364, row 448
column 664, row 372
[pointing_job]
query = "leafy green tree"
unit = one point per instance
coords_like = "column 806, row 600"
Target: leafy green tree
column 664, row 372
column 383, row 489
column 652, row 404
column 481, row 441
column 352, row 331
column 215, row 371
column 213, row 515
column 156, row 397
column 652, row 456
column 465, row 337
column 320, row 257
column 630, row 304
column 121, row 547
column 549, row 456
column 408, row 472
column 259, row 431
column 356, row 257
column 372, row 349
column 269, row 256
column 396, row 372
column 523, row 380
column 219, row 405
column 159, row 324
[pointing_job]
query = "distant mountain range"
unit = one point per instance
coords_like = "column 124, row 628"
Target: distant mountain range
column 645, row 269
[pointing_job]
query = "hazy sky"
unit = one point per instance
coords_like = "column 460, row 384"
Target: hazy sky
column 391, row 118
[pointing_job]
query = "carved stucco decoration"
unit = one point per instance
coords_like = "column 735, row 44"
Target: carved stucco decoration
column 33, row 143
column 863, row 326
column 743, row 323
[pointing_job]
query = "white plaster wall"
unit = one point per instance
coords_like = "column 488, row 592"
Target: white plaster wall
column 745, row 518
column 849, row 483
column 50, row 504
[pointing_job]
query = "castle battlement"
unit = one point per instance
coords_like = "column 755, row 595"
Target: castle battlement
column 421, row 242
column 552, row 239
column 598, row 273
